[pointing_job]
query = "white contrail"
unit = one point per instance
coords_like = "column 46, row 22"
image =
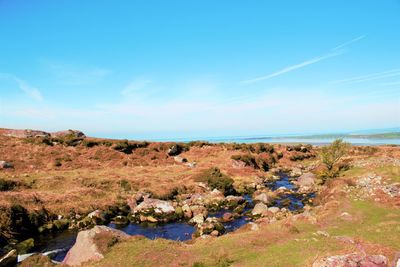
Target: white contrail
column 349, row 42
column 338, row 50
column 370, row 77
column 293, row 67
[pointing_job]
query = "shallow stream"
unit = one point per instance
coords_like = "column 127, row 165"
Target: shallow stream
column 60, row 243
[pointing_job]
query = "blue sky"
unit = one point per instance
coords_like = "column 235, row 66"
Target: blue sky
column 153, row 69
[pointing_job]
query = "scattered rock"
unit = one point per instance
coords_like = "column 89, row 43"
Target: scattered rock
column 37, row 260
column 25, row 246
column 179, row 159
column 234, row 201
column 295, row 172
column 9, row 259
column 262, row 197
column 6, row 165
column 187, row 211
column 91, row 244
column 351, row 260
column 208, row 226
column 396, row 260
column 260, row 209
column 214, row 233
column 253, row 226
column 227, row 217
column 322, row 233
column 198, row 209
column 306, row 180
column 159, row 209
column 175, row 150
column 198, row 219
column 274, row 210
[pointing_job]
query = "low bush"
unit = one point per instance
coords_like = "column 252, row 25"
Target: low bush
column 127, row 147
column 7, row 185
column 301, row 156
column 263, row 161
column 216, row 179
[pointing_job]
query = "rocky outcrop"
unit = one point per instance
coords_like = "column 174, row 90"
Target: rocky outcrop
column 154, row 210
column 351, row 260
column 25, row 133
column 91, row 244
column 68, row 133
column 175, row 150
column 212, row 200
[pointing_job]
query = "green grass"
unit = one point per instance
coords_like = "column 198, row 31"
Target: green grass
column 390, row 172
column 376, row 223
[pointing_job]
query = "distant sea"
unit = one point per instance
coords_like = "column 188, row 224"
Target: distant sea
column 290, row 140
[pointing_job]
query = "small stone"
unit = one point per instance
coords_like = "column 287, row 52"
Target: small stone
column 214, row 233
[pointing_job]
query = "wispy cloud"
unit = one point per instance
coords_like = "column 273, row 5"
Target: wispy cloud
column 336, row 51
column 135, row 86
column 29, row 90
column 369, row 77
column 76, row 75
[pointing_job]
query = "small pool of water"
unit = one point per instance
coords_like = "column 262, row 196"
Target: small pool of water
column 59, row 243
column 178, row 231
column 292, row 201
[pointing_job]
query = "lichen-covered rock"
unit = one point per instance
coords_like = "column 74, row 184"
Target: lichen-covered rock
column 91, row 244
column 260, row 209
column 68, row 133
column 234, row 201
column 161, row 210
column 208, row 226
column 198, row 219
column 307, row 179
column 351, row 260
column 25, row 246
column 198, row 209
column 212, row 200
column 187, row 211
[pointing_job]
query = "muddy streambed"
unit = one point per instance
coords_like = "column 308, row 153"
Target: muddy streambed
column 56, row 245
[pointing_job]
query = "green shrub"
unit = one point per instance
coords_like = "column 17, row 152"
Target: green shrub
column 127, row 147
column 263, row 161
column 216, row 179
column 248, row 160
column 330, row 155
column 125, row 185
column 199, row 144
column 7, row 185
column 90, row 143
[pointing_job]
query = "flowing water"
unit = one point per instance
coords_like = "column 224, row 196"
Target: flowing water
column 60, row 243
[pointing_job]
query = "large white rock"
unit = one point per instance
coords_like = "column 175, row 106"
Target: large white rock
column 159, row 206
column 87, row 246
